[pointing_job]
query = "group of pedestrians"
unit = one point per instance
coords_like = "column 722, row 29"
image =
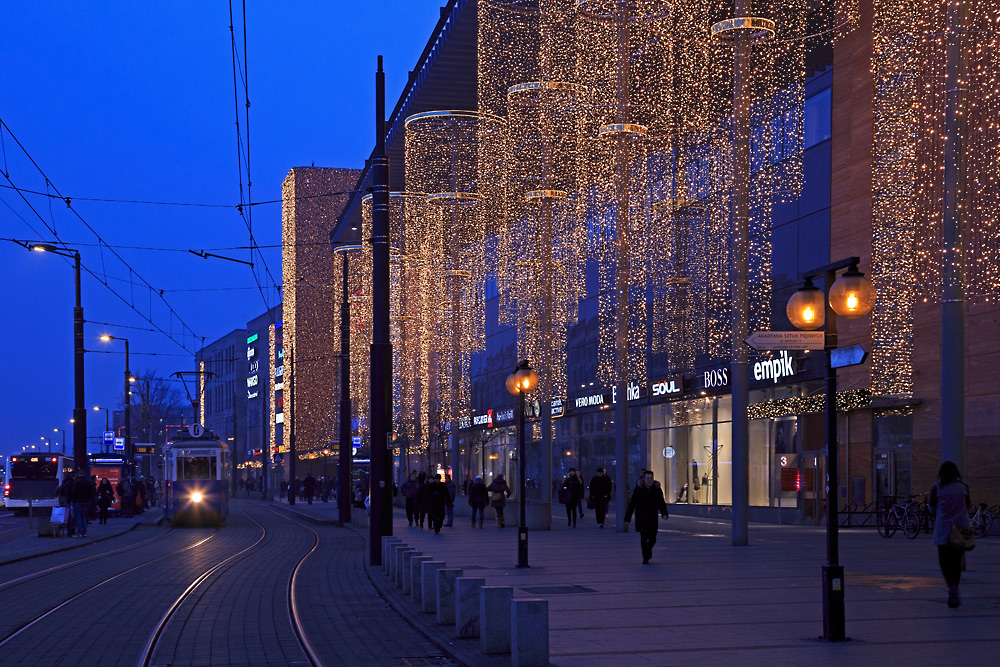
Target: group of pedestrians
column 309, row 488
column 573, row 492
column 87, row 499
column 428, row 498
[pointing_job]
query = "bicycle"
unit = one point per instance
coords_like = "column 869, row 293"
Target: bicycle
column 981, row 521
column 890, row 520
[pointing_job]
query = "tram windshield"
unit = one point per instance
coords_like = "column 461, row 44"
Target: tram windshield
column 196, row 467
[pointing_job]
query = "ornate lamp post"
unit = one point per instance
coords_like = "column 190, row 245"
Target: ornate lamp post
column 522, row 380
column 850, row 296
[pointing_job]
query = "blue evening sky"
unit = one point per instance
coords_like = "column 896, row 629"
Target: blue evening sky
column 135, row 101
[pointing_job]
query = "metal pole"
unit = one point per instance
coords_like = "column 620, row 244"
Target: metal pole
column 739, row 285
column 522, row 529
column 81, row 463
column 381, row 347
column 129, row 454
column 953, row 257
column 291, row 425
column 833, row 574
column 345, row 453
column 234, row 450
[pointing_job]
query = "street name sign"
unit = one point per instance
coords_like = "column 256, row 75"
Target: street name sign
column 852, row 355
column 786, row 340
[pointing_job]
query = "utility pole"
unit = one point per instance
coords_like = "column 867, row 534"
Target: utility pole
column 381, row 347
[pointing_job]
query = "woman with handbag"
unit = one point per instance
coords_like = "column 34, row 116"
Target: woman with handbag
column 498, row 500
column 952, row 528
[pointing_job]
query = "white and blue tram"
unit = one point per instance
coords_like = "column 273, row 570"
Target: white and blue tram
column 196, row 478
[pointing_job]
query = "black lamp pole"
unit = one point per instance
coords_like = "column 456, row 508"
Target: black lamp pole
column 345, row 454
column 291, row 435
column 522, row 527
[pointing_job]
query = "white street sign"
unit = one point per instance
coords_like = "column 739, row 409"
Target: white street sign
column 786, row 340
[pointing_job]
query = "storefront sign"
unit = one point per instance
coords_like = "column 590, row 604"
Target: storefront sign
column 634, row 392
column 716, row 378
column 669, row 452
column 774, row 369
column 558, row 408
column 671, row 387
column 590, row 401
column 504, row 415
column 483, row 420
column 464, row 422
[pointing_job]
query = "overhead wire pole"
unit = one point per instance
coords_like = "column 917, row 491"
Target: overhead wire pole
column 381, row 348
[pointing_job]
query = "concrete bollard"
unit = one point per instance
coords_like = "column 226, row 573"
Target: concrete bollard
column 404, row 575
column 467, row 605
column 397, row 566
column 394, row 551
column 494, row 619
column 446, row 595
column 529, row 633
column 428, row 585
column 413, row 586
column 387, row 552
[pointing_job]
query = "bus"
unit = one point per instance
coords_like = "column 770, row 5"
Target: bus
column 33, row 479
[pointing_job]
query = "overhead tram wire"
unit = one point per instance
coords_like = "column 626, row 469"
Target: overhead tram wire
column 104, row 244
column 243, row 153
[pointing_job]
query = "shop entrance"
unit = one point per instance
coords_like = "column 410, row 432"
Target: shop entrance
column 812, row 476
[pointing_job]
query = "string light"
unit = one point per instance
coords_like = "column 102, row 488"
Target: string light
column 908, row 65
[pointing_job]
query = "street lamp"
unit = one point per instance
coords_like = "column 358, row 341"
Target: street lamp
column 79, row 411
column 107, row 427
column 63, row 438
column 521, row 380
column 48, row 442
column 344, row 455
column 851, row 296
column 128, row 402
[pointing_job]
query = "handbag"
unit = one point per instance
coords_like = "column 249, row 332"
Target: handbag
column 961, row 538
column 590, row 502
column 565, row 495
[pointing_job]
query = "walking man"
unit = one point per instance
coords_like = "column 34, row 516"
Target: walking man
column 83, row 494
column 409, row 490
column 647, row 501
column 309, row 486
column 600, row 495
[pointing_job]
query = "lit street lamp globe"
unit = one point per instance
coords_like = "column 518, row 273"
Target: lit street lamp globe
column 806, row 308
column 852, row 295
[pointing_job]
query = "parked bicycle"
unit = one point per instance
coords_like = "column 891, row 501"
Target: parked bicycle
column 898, row 516
column 981, row 521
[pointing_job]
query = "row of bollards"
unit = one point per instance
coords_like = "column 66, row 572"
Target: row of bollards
column 502, row 624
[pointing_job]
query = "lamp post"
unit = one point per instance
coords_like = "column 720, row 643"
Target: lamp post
column 63, row 438
column 128, row 404
column 79, row 411
column 344, row 454
column 106, row 425
column 521, row 380
column 851, row 296
column 48, row 443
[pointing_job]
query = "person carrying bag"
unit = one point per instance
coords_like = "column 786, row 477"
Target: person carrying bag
column 952, row 529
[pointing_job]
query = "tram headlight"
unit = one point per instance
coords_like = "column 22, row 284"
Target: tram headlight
column 196, row 496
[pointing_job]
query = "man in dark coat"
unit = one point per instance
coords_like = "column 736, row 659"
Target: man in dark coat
column 479, row 497
column 309, row 486
column 437, row 500
column 647, row 501
column 600, row 495
column 83, row 494
column 409, row 490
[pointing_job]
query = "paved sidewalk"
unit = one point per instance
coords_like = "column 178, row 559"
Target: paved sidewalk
column 703, row 600
column 33, row 545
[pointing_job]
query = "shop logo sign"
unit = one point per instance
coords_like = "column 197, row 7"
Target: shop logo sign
column 774, row 369
column 717, row 377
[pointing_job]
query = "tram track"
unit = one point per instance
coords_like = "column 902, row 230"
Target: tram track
column 89, row 559
column 22, row 628
column 293, row 614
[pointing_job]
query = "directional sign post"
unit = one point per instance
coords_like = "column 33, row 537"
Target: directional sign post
column 786, row 340
column 852, row 355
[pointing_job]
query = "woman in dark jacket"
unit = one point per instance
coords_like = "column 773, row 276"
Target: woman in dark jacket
column 105, row 498
column 573, row 494
column 422, row 499
column 501, row 492
column 950, row 502
column 478, row 497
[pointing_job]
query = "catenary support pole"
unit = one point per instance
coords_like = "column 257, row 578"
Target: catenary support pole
column 381, row 348
column 80, row 461
column 346, row 446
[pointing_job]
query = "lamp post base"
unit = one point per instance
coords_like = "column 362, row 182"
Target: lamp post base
column 522, row 547
column 833, row 604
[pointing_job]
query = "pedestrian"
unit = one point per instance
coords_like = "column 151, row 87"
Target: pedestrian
column 309, row 487
column 105, row 498
column 139, row 491
column 65, row 490
column 600, row 495
column 296, row 488
column 124, row 490
column 437, row 502
column 449, row 509
column 421, row 498
column 478, row 497
column 950, row 502
column 583, row 492
column 571, row 494
column 498, row 500
column 83, row 493
column 647, row 501
column 409, row 490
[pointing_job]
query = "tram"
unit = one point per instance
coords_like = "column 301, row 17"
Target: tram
column 196, row 478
